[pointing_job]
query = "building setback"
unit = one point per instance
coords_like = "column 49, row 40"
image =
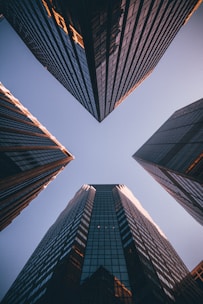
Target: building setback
column 30, row 157
column 100, row 51
column 174, row 157
column 104, row 248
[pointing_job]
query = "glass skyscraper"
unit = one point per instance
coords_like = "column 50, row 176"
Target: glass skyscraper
column 100, row 51
column 104, row 248
column 30, row 157
column 174, row 157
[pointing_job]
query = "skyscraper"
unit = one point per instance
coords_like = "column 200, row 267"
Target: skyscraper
column 98, row 50
column 104, row 248
column 30, row 157
column 197, row 274
column 174, row 157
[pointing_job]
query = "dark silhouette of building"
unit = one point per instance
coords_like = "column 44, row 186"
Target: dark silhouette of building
column 197, row 274
column 104, row 287
column 100, row 51
column 103, row 248
column 30, row 157
column 174, row 157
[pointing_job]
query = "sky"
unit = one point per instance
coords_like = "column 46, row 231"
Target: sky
column 103, row 151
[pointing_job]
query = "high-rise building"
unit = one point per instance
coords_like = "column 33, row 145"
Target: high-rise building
column 174, row 157
column 104, row 248
column 30, row 157
column 197, row 274
column 100, row 51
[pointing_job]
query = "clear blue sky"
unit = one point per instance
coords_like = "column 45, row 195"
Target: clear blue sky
column 103, row 151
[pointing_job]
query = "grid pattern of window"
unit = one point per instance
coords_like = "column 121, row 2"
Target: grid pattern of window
column 30, row 157
column 98, row 51
column 38, row 24
column 15, row 194
column 103, row 248
column 197, row 274
column 162, row 267
column 57, row 245
column 174, row 157
column 27, row 160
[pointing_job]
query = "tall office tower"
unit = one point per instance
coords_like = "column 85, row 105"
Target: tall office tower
column 174, row 157
column 197, row 274
column 104, row 248
column 100, row 51
column 30, row 157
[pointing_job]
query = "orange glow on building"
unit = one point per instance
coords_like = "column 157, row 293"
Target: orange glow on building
column 132, row 89
column 195, row 162
column 194, row 9
column 61, row 22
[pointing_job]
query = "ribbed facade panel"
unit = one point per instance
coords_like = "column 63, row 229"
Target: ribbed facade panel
column 174, row 157
column 104, row 248
column 99, row 51
column 30, row 157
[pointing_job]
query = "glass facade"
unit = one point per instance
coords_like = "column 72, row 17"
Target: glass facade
column 104, row 245
column 104, row 248
column 174, row 157
column 99, row 51
column 30, row 157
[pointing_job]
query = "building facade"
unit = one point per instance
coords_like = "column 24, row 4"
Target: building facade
column 197, row 274
column 100, row 51
column 30, row 157
column 104, row 248
column 174, row 157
